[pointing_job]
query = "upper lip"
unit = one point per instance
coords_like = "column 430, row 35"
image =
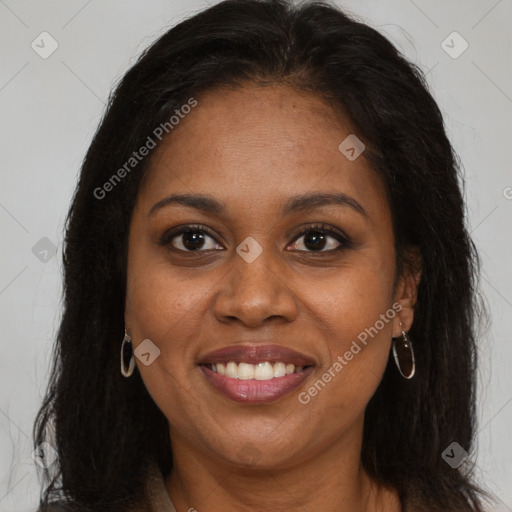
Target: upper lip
column 255, row 354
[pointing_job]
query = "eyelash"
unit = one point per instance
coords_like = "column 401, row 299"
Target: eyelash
column 342, row 238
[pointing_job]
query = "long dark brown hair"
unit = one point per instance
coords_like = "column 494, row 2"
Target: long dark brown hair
column 106, row 429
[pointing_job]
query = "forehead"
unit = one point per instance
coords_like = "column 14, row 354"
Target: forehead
column 259, row 142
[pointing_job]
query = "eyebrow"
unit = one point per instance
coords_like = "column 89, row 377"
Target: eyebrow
column 303, row 202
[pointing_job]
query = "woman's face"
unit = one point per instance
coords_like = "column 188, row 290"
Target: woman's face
column 248, row 280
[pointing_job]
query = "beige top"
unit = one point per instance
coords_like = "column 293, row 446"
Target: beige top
column 158, row 499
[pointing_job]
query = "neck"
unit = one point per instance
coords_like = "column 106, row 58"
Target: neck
column 330, row 480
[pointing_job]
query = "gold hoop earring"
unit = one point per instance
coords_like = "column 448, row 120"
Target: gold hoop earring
column 127, row 353
column 404, row 355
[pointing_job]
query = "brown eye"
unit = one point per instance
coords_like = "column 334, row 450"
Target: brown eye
column 318, row 238
column 190, row 239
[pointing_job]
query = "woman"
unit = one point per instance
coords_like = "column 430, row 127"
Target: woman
column 268, row 235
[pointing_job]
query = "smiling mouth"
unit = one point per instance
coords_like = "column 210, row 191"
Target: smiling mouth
column 253, row 384
column 265, row 370
column 255, row 374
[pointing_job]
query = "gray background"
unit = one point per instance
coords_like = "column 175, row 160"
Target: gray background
column 51, row 107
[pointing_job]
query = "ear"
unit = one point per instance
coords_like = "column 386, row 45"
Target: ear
column 406, row 293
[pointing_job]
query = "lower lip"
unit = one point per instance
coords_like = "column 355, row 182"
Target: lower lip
column 252, row 391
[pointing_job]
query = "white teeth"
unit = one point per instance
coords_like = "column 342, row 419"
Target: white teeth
column 232, row 370
column 245, row 371
column 279, row 369
column 263, row 371
column 260, row 371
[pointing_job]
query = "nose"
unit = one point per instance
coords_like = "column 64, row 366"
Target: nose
column 255, row 291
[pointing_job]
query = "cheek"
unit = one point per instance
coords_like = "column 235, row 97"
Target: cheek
column 159, row 300
column 357, row 308
column 353, row 299
column 163, row 308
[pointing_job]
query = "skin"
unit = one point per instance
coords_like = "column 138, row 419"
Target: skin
column 252, row 148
